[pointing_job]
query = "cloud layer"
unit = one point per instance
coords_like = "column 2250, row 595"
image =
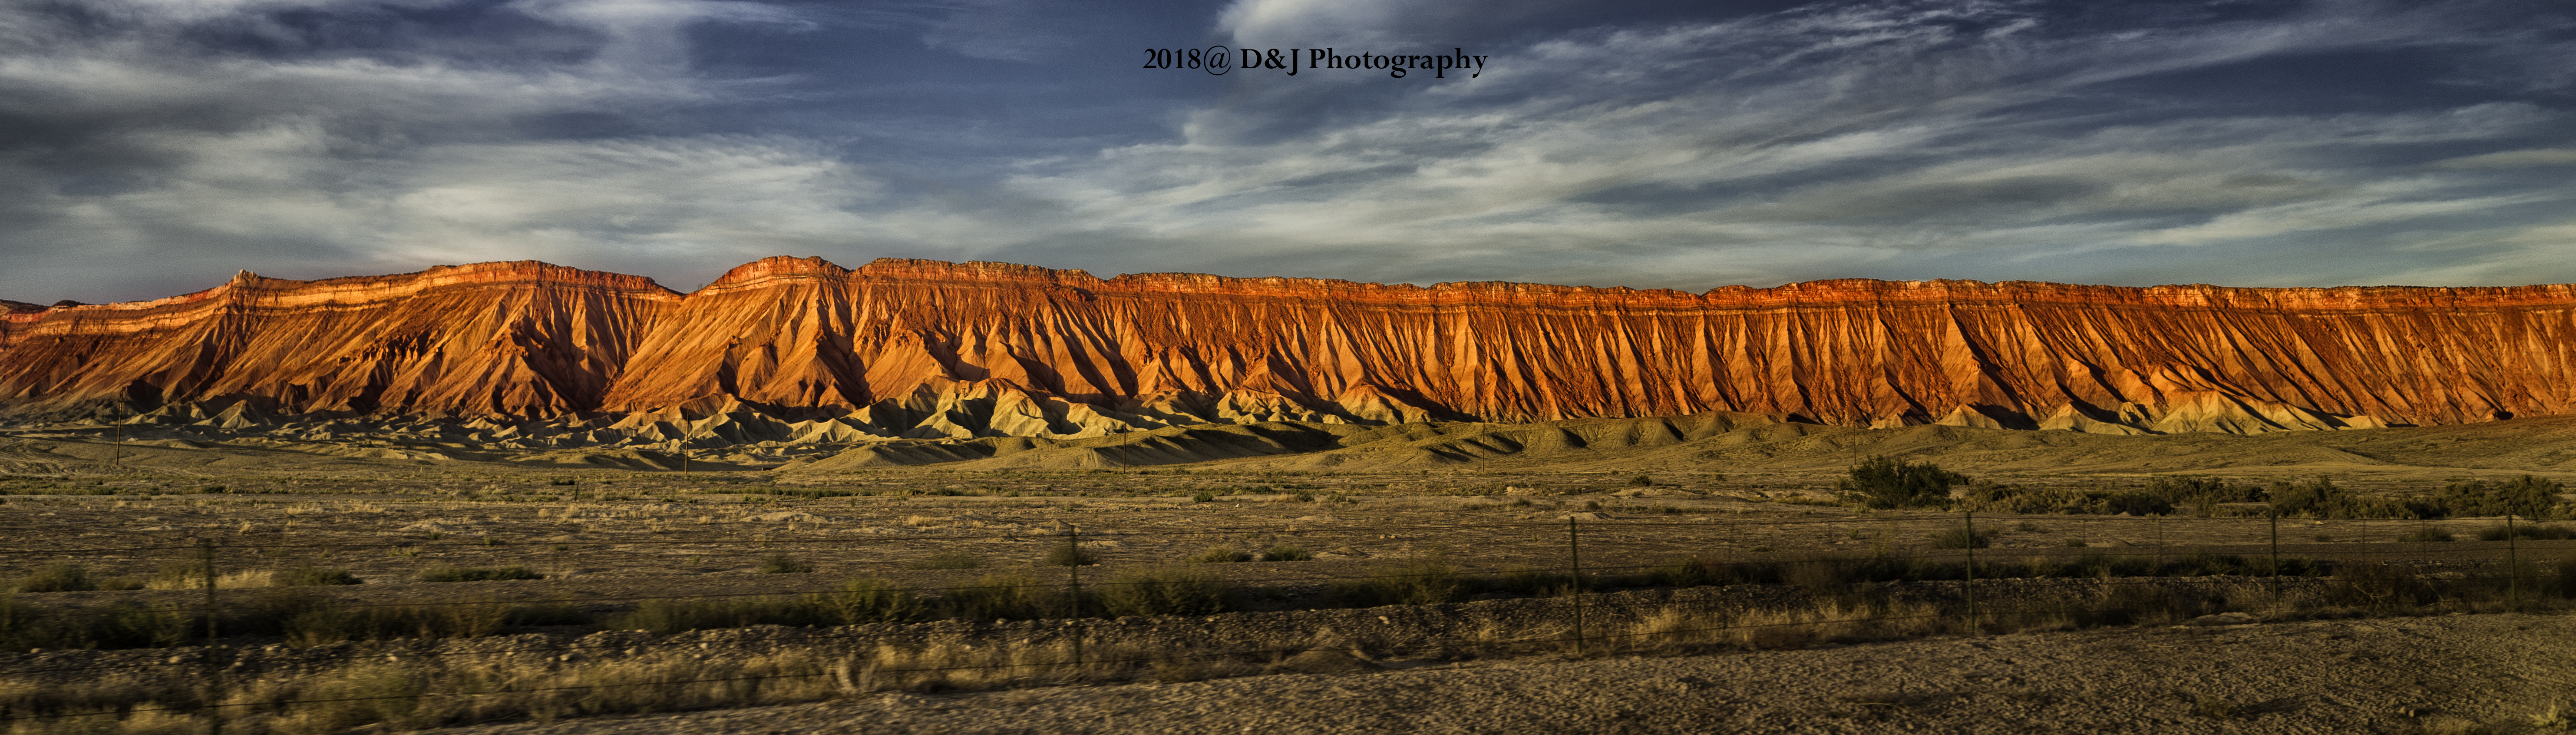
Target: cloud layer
column 149, row 148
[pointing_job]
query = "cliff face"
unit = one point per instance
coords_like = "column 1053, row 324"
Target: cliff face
column 928, row 349
column 489, row 338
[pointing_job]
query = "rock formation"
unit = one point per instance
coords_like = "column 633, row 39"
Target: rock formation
column 801, row 350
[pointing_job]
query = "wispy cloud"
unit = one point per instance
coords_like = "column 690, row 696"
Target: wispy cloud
column 148, row 147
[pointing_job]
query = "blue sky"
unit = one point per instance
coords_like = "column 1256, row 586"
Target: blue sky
column 152, row 147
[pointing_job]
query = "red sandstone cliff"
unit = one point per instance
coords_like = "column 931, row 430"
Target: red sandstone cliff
column 925, row 348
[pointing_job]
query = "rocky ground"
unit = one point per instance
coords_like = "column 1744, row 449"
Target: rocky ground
column 2450, row 674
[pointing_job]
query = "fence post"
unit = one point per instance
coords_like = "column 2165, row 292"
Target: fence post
column 1073, row 623
column 2275, row 517
column 1574, row 560
column 1971, row 522
column 214, row 667
column 2512, row 564
column 2158, row 520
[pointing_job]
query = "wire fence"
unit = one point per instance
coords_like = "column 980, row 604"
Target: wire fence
column 248, row 632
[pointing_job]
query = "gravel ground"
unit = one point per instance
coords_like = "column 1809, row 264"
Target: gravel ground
column 2441, row 674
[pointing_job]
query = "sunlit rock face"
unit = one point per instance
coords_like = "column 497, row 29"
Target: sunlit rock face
column 800, row 350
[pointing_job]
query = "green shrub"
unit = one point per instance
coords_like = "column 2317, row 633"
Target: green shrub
column 479, row 574
column 1285, row 552
column 1166, row 591
column 2072, row 542
column 1219, row 555
column 1641, row 481
column 948, row 560
column 1202, row 496
column 1880, row 482
column 784, row 564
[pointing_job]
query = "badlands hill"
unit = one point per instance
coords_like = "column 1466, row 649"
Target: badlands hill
column 531, row 355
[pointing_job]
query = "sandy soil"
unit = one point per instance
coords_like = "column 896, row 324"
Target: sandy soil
column 2443, row 674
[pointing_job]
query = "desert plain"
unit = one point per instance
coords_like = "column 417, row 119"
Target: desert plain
column 1725, row 585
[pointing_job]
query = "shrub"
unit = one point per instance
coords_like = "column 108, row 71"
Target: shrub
column 1428, row 581
column 1961, row 538
column 1303, row 497
column 2072, row 542
column 1202, row 496
column 1069, row 554
column 2566, row 583
column 310, row 576
column 1880, row 482
column 2526, row 531
column 479, row 574
column 61, row 576
column 1166, row 591
column 1018, row 596
column 306, row 617
column 1285, row 552
column 2378, row 584
column 1219, row 555
column 948, row 560
column 871, row 600
column 120, row 624
column 2423, row 534
column 784, row 564
column 675, row 616
column 1641, row 481
column 2522, row 496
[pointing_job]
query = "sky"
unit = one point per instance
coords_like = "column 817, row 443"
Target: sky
column 152, row 147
